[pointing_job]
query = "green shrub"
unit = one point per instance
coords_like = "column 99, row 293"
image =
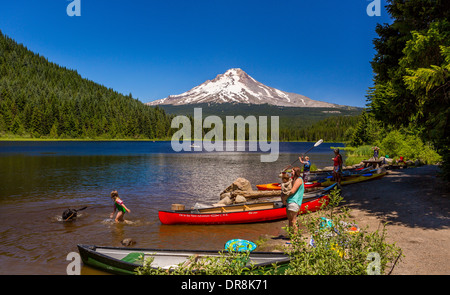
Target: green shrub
column 354, row 155
column 227, row 263
column 411, row 147
column 363, row 150
column 336, row 250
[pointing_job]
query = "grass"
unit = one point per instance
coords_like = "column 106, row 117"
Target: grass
column 354, row 155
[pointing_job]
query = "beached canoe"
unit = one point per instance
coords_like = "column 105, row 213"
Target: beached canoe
column 277, row 186
column 243, row 213
column 355, row 178
column 125, row 260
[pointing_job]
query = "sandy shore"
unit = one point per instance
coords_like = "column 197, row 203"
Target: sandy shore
column 416, row 205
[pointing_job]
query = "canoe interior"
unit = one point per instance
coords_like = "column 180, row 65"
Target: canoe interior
column 252, row 206
column 166, row 259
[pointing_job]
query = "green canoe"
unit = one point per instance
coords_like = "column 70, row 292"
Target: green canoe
column 119, row 260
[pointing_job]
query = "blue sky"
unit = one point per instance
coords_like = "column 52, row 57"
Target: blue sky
column 155, row 48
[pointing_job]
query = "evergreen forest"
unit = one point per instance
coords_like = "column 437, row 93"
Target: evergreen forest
column 40, row 99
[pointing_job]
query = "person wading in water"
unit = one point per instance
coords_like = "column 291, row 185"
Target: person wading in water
column 119, row 206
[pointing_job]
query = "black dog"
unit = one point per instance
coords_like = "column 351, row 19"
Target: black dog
column 71, row 214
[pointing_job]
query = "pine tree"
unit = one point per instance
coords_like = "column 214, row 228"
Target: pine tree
column 54, row 130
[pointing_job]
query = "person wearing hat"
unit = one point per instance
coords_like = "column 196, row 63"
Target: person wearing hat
column 306, row 167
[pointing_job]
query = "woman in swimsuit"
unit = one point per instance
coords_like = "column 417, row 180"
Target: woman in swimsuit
column 295, row 199
column 120, row 206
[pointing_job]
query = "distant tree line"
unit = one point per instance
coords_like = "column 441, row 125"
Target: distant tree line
column 295, row 123
column 332, row 129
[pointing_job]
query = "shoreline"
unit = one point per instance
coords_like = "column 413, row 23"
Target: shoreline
column 121, row 139
column 414, row 204
column 77, row 139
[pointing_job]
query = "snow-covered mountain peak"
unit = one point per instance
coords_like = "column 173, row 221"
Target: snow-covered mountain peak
column 236, row 86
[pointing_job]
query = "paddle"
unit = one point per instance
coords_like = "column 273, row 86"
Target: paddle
column 72, row 213
column 319, row 142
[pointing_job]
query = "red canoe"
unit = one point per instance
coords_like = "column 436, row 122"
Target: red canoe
column 235, row 214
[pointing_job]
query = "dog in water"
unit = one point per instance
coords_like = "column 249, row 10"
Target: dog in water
column 71, row 214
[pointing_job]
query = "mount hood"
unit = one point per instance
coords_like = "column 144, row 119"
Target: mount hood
column 236, row 86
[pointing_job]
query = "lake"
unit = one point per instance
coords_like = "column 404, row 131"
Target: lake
column 39, row 180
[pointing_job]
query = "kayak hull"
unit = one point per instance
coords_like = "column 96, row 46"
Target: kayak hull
column 355, row 179
column 269, row 186
column 347, row 179
column 240, row 217
column 277, row 186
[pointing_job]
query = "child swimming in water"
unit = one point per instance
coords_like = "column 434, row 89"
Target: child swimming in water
column 120, row 206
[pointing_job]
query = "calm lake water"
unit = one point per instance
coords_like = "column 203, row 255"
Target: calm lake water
column 39, row 180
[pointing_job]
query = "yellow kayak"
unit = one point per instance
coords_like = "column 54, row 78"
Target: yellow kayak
column 355, row 178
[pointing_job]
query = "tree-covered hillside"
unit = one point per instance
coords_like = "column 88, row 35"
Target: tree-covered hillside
column 412, row 73
column 296, row 123
column 41, row 99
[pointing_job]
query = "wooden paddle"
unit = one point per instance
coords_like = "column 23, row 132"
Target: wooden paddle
column 319, row 142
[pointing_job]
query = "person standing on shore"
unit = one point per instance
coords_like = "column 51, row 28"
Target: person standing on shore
column 306, row 167
column 375, row 152
column 337, row 166
column 295, row 198
column 119, row 206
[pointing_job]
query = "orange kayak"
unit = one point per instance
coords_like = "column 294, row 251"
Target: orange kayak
column 269, row 186
column 277, row 186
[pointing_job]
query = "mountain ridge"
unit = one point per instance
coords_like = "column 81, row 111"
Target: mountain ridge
column 236, row 86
